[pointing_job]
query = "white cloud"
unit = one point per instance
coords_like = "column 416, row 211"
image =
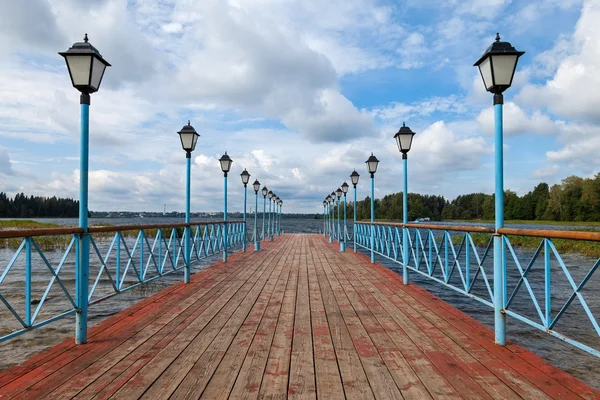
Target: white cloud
column 569, row 93
column 546, row 172
column 517, row 122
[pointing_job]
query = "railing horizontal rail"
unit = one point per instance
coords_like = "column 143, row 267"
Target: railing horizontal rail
column 16, row 233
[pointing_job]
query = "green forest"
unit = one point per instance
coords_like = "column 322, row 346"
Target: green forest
column 22, row 206
column 574, row 199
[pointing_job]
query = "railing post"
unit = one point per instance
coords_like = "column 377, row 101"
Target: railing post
column 118, row 262
column 28, row 282
column 468, row 262
column 548, row 291
column 499, row 276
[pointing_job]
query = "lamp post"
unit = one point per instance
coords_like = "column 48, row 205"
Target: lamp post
column 189, row 138
column 345, row 191
column 328, row 201
column 275, row 213
column 354, row 177
column 334, row 228
column 225, row 162
column 324, row 219
column 497, row 68
column 280, row 214
column 278, row 226
column 264, row 193
column 372, row 163
column 245, row 179
column 338, row 194
column 272, row 216
column 256, row 186
column 404, row 139
column 86, row 70
column 270, row 194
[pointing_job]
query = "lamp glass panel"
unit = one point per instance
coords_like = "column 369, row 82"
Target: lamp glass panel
column 354, row 179
column 486, row 73
column 225, row 165
column 79, row 66
column 405, row 141
column 98, row 68
column 504, row 65
column 194, row 141
column 372, row 166
column 187, row 141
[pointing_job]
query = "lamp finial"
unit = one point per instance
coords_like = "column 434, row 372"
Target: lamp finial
column 497, row 36
column 85, row 38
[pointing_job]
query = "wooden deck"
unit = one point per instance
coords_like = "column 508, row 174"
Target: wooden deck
column 298, row 319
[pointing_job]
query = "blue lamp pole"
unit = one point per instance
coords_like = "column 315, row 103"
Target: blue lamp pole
column 372, row 163
column 404, row 139
column 264, row 193
column 324, row 219
column 245, row 179
column 497, row 68
column 225, row 162
column 354, row 177
column 343, row 244
column 256, row 186
column 86, row 69
column 189, row 138
column 276, row 215
column 332, row 216
column 270, row 194
column 272, row 200
column 338, row 194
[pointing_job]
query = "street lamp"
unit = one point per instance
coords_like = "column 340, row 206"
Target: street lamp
column 354, row 177
column 329, row 229
column 324, row 218
column 333, row 230
column 225, row 162
column 345, row 191
column 270, row 194
column 189, row 138
column 404, row 138
column 256, row 186
column 497, row 68
column 280, row 214
column 338, row 194
column 245, row 179
column 372, row 163
column 264, row 193
column 277, row 215
column 86, row 70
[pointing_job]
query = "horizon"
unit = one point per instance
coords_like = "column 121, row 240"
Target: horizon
column 299, row 94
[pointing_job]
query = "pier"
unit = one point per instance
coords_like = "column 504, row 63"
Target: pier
column 298, row 319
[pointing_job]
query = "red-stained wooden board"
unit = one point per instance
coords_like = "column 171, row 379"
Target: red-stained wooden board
column 298, row 319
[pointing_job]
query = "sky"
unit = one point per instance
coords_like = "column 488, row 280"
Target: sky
column 299, row 92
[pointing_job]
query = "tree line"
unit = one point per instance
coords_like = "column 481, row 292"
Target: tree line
column 22, row 206
column 574, row 199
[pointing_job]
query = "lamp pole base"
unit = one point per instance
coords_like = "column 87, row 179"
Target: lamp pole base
column 256, row 246
column 330, row 239
column 342, row 247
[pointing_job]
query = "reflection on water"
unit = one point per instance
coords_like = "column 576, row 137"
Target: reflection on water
column 574, row 323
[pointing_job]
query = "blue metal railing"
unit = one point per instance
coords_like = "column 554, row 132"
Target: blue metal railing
column 449, row 255
column 121, row 258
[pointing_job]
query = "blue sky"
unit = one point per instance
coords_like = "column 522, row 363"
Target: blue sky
column 299, row 92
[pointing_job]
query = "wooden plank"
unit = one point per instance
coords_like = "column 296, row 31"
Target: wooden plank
column 251, row 373
column 406, row 379
column 164, row 365
column 354, row 379
column 228, row 373
column 276, row 375
column 302, row 383
column 381, row 382
column 467, row 374
column 327, row 373
column 102, row 372
column 234, row 338
column 532, row 375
